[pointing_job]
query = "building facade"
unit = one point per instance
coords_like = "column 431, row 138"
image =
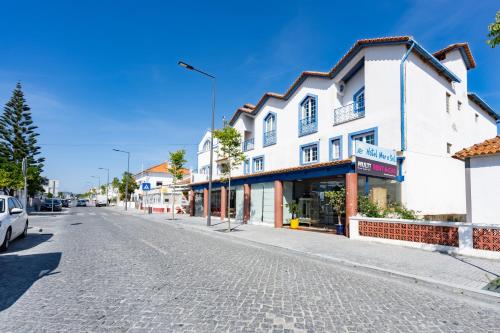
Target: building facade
column 388, row 92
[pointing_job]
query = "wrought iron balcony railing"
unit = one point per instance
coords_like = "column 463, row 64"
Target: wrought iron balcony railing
column 308, row 125
column 269, row 138
column 347, row 113
column 248, row 144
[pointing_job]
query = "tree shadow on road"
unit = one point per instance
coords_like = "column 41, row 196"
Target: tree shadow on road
column 19, row 272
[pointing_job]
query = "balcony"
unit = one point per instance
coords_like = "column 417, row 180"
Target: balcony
column 348, row 113
column 308, row 126
column 248, row 144
column 269, row 138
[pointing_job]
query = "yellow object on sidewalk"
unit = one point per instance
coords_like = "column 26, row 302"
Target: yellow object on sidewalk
column 294, row 223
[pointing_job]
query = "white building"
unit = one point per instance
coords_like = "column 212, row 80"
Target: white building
column 389, row 92
column 482, row 181
column 52, row 187
column 159, row 197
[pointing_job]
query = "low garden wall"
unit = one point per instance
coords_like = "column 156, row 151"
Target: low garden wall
column 482, row 240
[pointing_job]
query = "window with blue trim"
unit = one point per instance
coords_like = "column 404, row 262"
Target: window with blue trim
column 270, row 129
column 308, row 117
column 368, row 137
column 246, row 166
column 309, row 154
column 206, row 145
column 359, row 100
column 335, row 149
column 258, row 164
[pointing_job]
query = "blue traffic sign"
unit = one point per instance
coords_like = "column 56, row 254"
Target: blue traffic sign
column 146, row 186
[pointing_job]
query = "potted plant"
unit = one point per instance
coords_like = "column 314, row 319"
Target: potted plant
column 293, row 208
column 336, row 199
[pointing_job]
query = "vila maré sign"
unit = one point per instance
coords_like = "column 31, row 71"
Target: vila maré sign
column 375, row 161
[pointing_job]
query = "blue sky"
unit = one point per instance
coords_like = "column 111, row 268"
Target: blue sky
column 103, row 74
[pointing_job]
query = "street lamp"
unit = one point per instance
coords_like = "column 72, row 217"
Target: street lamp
column 191, row 68
column 107, row 186
column 128, row 171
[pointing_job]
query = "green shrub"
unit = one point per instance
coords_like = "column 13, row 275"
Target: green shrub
column 369, row 208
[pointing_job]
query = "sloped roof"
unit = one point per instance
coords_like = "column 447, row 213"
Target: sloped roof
column 355, row 49
column 487, row 147
column 161, row 168
column 483, row 105
column 464, row 51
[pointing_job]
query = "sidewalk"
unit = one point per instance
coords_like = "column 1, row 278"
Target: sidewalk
column 460, row 272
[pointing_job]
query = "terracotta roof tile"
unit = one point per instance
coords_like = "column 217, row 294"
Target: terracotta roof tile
column 161, row 168
column 441, row 54
column 298, row 168
column 488, row 147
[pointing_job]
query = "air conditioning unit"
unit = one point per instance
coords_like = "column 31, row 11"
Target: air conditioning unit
column 341, row 88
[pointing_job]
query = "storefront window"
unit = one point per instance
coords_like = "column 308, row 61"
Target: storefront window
column 379, row 190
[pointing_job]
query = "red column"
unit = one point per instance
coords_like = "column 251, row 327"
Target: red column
column 278, row 204
column 223, row 202
column 205, row 202
column 246, row 203
column 351, row 200
column 191, row 203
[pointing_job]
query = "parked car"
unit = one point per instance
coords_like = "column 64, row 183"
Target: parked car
column 81, row 203
column 65, row 202
column 13, row 221
column 48, row 203
column 101, row 200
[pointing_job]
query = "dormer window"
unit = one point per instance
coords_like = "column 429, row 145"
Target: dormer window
column 270, row 129
column 308, row 117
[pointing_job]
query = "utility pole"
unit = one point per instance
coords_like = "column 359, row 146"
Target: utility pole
column 128, row 172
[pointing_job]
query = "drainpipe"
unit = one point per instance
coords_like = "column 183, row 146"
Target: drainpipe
column 402, row 93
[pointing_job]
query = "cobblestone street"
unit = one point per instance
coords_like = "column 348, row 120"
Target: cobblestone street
column 100, row 271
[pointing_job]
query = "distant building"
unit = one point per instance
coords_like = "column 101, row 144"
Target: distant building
column 52, row 187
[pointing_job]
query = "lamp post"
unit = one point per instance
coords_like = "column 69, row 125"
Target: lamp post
column 107, row 185
column 128, row 171
column 210, row 172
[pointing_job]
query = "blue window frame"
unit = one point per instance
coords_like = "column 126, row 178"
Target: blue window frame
column 206, row 145
column 359, row 100
column 246, row 166
column 308, row 115
column 269, row 129
column 309, row 153
column 335, row 148
column 369, row 135
column 258, row 164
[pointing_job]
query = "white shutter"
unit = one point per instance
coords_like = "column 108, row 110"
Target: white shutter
column 239, row 203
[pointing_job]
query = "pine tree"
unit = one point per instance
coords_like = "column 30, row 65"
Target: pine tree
column 18, row 139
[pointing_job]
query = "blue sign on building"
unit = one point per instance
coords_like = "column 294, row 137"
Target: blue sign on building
column 146, row 186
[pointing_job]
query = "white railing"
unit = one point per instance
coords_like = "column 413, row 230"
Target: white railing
column 347, row 113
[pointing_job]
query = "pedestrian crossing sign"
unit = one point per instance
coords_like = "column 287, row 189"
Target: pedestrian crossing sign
column 146, row 186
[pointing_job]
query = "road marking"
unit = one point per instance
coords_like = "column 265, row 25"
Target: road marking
column 91, row 213
column 153, row 246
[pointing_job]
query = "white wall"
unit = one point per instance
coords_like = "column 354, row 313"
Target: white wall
column 485, row 185
column 434, row 181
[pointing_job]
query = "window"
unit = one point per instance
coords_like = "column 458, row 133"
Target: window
column 2, row 205
column 448, row 148
column 11, row 204
column 336, row 148
column 258, row 164
column 18, row 203
column 459, row 105
column 206, row 145
column 159, row 183
column 448, row 96
column 369, row 136
column 246, row 166
column 308, row 116
column 365, row 137
column 359, row 100
column 476, row 117
column 270, row 129
column 309, row 153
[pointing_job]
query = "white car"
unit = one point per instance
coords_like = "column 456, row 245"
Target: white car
column 13, row 221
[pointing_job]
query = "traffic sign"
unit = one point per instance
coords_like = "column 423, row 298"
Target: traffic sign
column 146, row 186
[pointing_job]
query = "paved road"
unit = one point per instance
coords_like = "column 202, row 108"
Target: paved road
column 99, row 271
